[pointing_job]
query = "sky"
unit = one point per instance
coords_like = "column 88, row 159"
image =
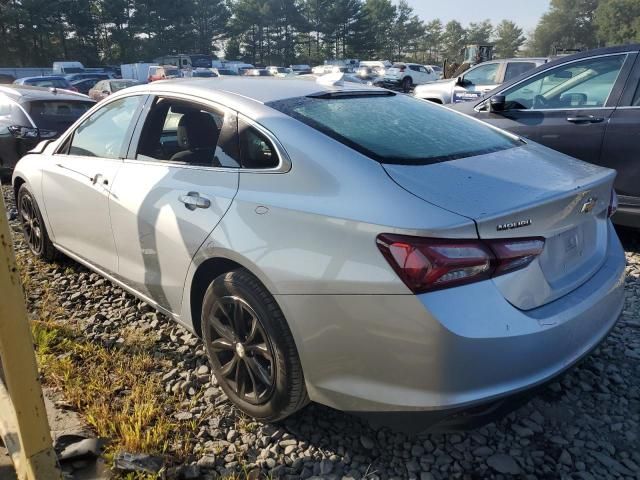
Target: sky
column 525, row 13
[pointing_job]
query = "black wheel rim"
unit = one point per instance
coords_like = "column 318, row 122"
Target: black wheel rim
column 240, row 349
column 31, row 224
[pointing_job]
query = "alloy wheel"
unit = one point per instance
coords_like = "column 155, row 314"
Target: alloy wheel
column 31, row 224
column 242, row 353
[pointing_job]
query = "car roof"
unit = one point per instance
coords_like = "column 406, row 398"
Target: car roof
column 26, row 93
column 261, row 90
column 39, row 77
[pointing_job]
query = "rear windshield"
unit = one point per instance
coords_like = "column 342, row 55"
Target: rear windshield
column 396, row 128
column 56, row 115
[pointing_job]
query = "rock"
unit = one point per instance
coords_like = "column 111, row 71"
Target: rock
column 184, row 416
column 503, row 463
column 565, row 458
column 483, row 451
column 367, row 442
column 207, row 462
column 326, row 466
column 137, row 462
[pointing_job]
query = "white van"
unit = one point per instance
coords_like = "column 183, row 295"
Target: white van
column 64, row 68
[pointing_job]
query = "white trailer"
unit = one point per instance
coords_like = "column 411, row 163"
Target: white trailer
column 25, row 72
column 136, row 71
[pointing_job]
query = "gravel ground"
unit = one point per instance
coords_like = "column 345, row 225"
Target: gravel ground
column 587, row 426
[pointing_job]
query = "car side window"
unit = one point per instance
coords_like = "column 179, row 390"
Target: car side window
column 515, row 69
column 5, row 106
column 482, row 75
column 636, row 98
column 415, row 68
column 256, row 150
column 582, row 84
column 103, row 134
column 187, row 133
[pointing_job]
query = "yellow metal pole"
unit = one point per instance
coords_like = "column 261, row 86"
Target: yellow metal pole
column 23, row 418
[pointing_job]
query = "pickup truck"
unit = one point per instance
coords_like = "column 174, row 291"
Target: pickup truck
column 477, row 81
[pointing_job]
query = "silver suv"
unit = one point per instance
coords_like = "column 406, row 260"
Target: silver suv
column 477, row 81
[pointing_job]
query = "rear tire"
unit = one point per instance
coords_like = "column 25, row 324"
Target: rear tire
column 251, row 349
column 407, row 84
column 33, row 227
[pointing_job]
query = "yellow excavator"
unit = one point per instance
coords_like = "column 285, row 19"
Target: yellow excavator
column 472, row 55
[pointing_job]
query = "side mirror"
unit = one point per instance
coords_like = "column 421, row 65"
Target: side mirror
column 497, row 103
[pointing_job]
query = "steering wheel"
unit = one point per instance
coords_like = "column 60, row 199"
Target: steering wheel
column 540, row 102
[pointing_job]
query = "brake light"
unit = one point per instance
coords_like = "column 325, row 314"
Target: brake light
column 427, row 264
column 613, row 203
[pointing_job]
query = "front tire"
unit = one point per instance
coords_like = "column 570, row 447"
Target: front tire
column 33, row 228
column 251, row 349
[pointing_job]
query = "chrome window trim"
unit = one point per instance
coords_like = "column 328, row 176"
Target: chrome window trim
column 501, row 92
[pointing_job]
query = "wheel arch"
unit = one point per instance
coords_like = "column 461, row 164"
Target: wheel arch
column 18, row 181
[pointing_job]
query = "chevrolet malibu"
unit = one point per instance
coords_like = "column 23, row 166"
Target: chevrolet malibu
column 341, row 244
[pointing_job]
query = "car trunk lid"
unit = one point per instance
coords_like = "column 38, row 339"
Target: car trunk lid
column 527, row 191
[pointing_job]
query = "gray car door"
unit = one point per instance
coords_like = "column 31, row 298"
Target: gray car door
column 621, row 148
column 177, row 182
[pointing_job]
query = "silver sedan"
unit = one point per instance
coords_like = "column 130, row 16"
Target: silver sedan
column 336, row 243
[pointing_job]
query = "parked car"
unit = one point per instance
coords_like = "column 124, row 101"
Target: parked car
column 477, row 81
column 203, row 73
column 84, row 85
column 279, row 71
column 407, row 75
column 301, row 69
column 83, row 76
column 31, row 114
column 157, row 72
column 438, row 69
column 5, row 78
column 64, row 68
column 104, row 88
column 370, row 73
column 257, row 72
column 49, row 81
column 226, row 72
column 585, row 105
column 302, row 229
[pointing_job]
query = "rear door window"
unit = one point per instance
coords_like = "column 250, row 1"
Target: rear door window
column 187, row 133
column 394, row 128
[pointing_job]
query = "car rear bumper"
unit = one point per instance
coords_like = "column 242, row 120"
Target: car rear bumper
column 448, row 350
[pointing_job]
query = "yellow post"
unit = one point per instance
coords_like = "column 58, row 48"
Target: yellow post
column 23, row 419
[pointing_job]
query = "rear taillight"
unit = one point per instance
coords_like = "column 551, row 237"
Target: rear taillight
column 613, row 203
column 427, row 264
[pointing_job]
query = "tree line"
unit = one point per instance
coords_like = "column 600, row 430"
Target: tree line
column 99, row 32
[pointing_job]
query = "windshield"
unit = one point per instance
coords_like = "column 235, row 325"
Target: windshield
column 172, row 72
column 226, row 72
column 56, row 115
column 48, row 82
column 394, row 128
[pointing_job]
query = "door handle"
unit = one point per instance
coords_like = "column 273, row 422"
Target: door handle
column 98, row 177
column 193, row 200
column 585, row 119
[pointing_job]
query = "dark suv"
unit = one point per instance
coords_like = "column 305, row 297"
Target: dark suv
column 30, row 114
column 585, row 105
